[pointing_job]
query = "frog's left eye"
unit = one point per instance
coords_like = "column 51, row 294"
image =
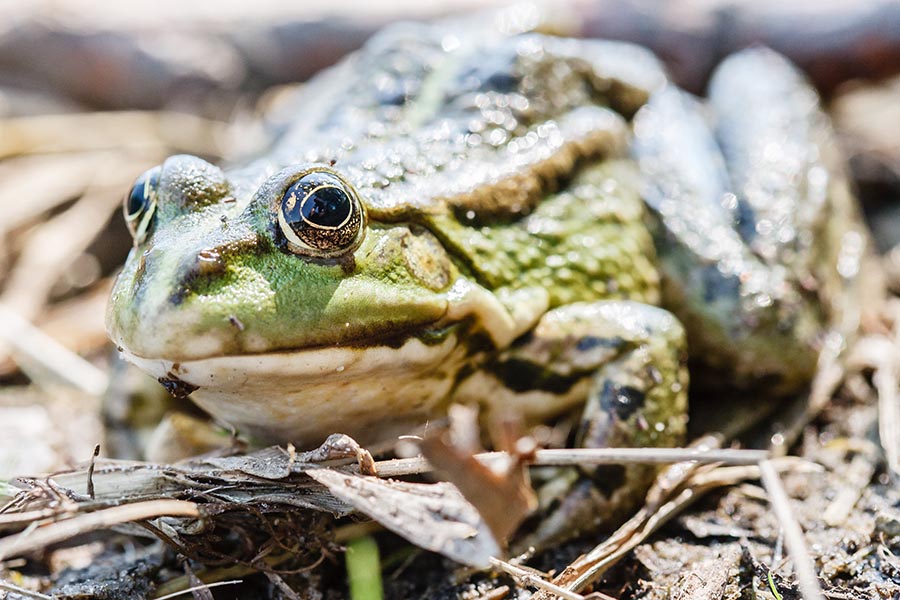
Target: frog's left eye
column 320, row 215
column 140, row 204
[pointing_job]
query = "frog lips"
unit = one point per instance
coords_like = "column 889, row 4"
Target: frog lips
column 310, row 363
column 304, row 395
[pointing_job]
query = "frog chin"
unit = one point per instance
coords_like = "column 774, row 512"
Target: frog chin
column 372, row 393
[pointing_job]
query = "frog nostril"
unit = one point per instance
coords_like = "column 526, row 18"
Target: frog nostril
column 196, row 272
column 209, row 261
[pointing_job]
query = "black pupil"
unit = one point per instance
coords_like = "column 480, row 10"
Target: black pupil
column 137, row 199
column 325, row 206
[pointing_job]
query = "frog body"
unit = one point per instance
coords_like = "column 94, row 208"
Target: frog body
column 523, row 221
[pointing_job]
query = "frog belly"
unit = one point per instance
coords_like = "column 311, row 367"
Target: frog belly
column 370, row 393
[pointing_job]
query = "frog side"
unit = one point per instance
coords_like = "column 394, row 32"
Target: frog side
column 502, row 220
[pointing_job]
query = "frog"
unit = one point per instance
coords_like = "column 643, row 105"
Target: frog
column 525, row 223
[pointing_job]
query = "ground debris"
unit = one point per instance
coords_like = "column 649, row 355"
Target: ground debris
column 707, row 579
column 203, row 505
column 114, row 576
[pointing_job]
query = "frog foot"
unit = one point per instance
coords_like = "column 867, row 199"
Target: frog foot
column 628, row 360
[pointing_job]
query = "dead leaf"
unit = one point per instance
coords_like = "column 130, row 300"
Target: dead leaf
column 501, row 491
column 432, row 516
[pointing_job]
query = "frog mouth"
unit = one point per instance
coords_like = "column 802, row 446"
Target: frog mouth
column 305, row 395
column 296, row 368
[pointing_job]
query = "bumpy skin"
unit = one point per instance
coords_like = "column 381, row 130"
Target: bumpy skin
column 508, row 256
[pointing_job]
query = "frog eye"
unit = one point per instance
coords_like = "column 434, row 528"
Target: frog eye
column 320, row 215
column 140, row 204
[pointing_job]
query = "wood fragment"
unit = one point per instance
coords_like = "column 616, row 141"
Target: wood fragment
column 592, row 456
column 59, row 531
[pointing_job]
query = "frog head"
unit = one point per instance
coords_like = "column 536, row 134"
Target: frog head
column 286, row 279
column 294, row 264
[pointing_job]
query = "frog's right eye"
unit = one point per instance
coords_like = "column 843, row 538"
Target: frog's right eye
column 320, row 215
column 140, row 204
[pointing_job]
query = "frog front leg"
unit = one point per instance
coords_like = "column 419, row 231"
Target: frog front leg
column 626, row 361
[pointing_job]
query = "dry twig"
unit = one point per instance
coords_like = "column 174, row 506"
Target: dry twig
column 675, row 489
column 529, row 578
column 194, row 588
column 804, row 568
column 35, row 539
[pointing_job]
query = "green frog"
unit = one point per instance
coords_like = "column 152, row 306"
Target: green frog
column 523, row 222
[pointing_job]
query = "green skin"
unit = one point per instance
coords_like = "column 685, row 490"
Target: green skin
column 535, row 208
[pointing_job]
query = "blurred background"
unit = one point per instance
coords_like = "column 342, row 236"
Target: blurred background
column 93, row 93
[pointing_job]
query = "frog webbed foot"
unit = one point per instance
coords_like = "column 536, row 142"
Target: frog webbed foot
column 629, row 360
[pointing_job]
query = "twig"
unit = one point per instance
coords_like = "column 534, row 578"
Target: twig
column 90, row 473
column 879, row 353
column 41, row 537
column 591, row 456
column 673, row 494
column 886, row 380
column 530, row 579
column 886, row 383
column 21, row 518
column 192, row 589
column 11, row 587
column 804, row 568
column 857, row 476
column 209, row 576
column 600, row 559
column 830, row 373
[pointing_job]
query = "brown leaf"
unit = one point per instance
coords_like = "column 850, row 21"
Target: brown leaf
column 502, row 493
column 432, row 516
